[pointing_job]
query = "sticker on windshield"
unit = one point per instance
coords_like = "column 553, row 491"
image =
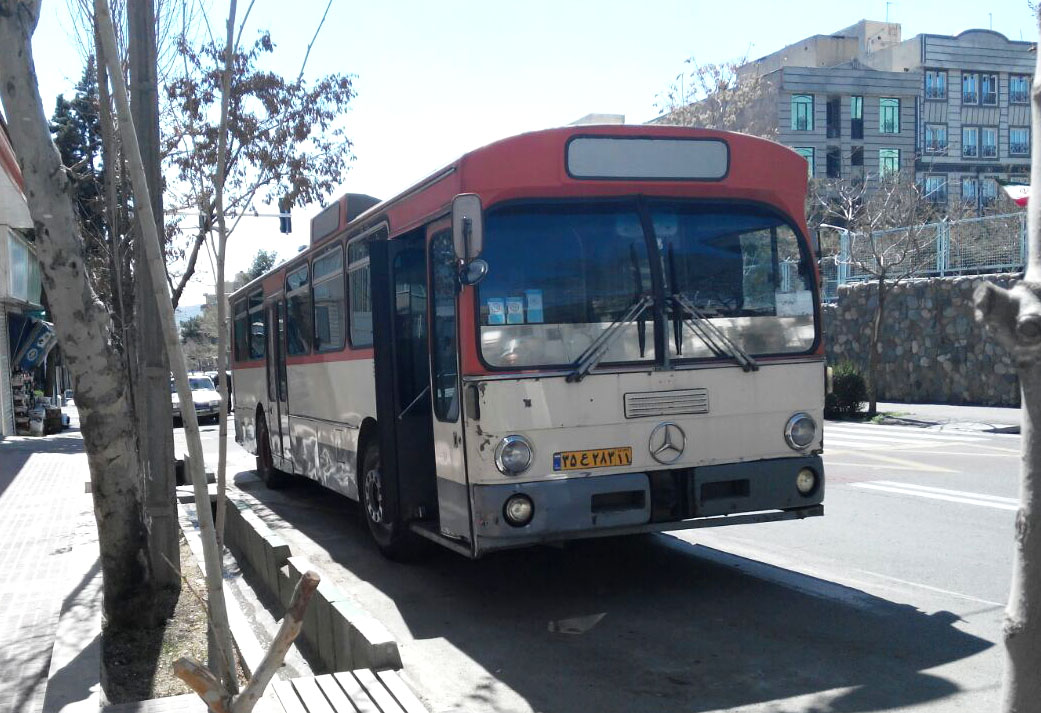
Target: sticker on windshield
column 534, row 300
column 514, row 310
column 794, row 304
column 496, row 311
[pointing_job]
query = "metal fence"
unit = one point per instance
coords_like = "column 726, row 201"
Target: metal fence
column 995, row 243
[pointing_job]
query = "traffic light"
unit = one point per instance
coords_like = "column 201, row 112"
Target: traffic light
column 285, row 219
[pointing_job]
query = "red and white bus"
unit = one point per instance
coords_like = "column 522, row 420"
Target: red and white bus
column 570, row 333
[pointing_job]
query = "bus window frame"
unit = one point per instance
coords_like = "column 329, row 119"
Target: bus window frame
column 369, row 234
column 251, row 310
column 338, row 274
column 288, row 295
column 642, row 206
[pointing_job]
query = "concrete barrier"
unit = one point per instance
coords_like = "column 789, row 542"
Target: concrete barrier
column 337, row 631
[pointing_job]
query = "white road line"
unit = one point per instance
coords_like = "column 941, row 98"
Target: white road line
column 989, row 501
column 938, row 590
column 945, row 491
column 904, row 436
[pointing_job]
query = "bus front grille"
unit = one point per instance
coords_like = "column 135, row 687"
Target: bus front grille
column 666, row 403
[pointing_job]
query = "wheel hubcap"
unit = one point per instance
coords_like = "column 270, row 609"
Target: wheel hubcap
column 374, row 496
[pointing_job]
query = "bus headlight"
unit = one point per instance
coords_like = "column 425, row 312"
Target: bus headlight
column 800, row 431
column 806, row 481
column 513, row 455
column 518, row 510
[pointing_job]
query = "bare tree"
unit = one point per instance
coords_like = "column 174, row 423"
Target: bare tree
column 885, row 239
column 1014, row 317
column 731, row 96
column 84, row 330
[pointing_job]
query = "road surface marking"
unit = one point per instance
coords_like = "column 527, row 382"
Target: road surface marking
column 938, row 590
column 953, row 496
column 902, row 434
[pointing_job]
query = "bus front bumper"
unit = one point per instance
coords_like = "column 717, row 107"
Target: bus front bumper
column 625, row 503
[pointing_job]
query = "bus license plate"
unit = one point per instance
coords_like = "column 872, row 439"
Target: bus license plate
column 596, row 458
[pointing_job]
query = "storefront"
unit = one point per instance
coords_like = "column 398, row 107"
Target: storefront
column 20, row 293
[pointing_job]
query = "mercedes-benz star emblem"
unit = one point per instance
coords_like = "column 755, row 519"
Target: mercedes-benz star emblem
column 667, row 442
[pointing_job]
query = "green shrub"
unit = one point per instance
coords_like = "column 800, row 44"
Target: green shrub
column 849, row 391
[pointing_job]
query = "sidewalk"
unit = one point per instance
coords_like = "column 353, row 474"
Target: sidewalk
column 47, row 527
column 987, row 419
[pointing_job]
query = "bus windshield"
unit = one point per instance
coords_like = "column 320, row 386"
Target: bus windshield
column 562, row 274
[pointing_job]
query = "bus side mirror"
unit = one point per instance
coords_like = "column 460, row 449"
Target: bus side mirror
column 467, row 226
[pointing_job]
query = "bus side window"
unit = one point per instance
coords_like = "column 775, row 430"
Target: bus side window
column 360, row 292
column 240, row 337
column 298, row 312
column 444, row 286
column 327, row 290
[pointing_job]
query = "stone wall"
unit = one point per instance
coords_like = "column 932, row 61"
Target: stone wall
column 932, row 349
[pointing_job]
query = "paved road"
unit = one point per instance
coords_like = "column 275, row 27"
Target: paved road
column 891, row 601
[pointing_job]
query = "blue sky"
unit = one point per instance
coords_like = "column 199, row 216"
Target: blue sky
column 436, row 79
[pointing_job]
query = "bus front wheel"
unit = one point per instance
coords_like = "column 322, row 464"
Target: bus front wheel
column 392, row 536
column 272, row 476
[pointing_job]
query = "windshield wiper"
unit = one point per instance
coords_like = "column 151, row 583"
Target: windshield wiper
column 714, row 338
column 588, row 359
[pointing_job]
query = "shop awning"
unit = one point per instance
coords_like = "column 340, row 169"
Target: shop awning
column 31, row 340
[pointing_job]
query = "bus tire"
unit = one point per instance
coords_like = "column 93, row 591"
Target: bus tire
column 392, row 536
column 272, row 476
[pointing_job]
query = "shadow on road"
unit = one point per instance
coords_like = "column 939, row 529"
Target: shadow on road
column 682, row 629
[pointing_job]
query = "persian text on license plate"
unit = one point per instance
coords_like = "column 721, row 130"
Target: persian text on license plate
column 596, row 458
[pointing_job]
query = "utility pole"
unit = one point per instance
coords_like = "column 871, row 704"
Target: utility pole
column 153, row 407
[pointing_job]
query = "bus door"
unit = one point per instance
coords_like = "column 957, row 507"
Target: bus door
column 402, row 366
column 445, row 386
column 277, row 382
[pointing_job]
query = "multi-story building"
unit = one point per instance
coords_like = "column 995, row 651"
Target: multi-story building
column 973, row 122
column 861, row 102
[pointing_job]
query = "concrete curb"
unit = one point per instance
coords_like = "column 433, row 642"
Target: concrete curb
column 337, row 630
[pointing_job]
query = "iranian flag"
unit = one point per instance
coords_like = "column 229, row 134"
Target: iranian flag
column 1018, row 192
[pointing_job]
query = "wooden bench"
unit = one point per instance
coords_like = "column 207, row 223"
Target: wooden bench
column 362, row 691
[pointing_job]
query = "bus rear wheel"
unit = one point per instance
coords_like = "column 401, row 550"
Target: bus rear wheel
column 272, row 476
column 392, row 536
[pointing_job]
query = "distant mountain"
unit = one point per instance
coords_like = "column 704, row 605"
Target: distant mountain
column 183, row 314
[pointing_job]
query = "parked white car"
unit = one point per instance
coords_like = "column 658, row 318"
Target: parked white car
column 204, row 395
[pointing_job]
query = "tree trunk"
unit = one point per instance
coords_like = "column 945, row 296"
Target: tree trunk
column 222, row 245
column 154, row 415
column 876, row 333
column 1014, row 316
column 83, row 328
column 218, row 615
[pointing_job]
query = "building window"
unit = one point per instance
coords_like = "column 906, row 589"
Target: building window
column 807, row 153
column 936, row 139
column 989, row 142
column 328, row 293
column 936, row 189
column 889, row 116
column 970, row 141
column 360, row 293
column 834, row 164
column 1019, row 88
column 888, row 162
column 989, row 89
column 802, row 112
column 834, row 107
column 1018, row 141
column 970, row 88
column 970, row 188
column 298, row 313
column 988, row 192
column 856, row 162
column 856, row 117
column 935, row 84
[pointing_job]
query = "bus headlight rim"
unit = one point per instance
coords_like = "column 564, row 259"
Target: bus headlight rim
column 518, row 510
column 514, row 455
column 800, row 431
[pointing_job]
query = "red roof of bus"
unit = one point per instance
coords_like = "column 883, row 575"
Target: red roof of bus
column 533, row 164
